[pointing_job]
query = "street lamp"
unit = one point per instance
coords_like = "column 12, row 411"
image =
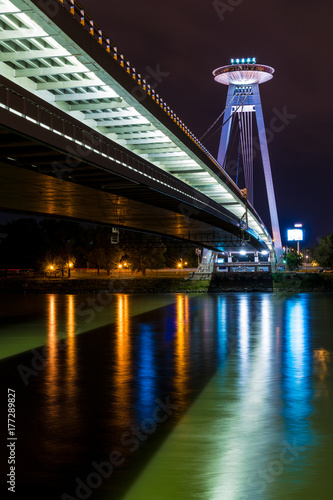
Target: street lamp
column 52, row 268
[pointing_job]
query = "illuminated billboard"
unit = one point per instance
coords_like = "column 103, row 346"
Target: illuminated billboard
column 295, row 234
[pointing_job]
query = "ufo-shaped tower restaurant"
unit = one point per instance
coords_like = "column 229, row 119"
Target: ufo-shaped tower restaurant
column 243, row 77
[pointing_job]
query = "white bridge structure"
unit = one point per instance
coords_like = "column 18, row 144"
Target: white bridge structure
column 56, row 53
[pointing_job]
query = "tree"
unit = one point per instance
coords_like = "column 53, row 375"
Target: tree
column 293, row 261
column 176, row 254
column 50, row 263
column 323, row 252
column 148, row 254
column 102, row 253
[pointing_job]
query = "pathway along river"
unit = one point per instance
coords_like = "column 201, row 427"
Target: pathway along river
column 171, row 396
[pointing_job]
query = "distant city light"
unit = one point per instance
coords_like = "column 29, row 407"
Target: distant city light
column 295, row 234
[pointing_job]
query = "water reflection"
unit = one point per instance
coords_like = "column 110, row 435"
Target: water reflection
column 243, row 333
column 242, row 369
column 182, row 348
column 71, row 348
column 52, row 365
column 123, row 365
column 321, row 361
column 61, row 369
column 297, row 370
column 222, row 327
column 146, row 372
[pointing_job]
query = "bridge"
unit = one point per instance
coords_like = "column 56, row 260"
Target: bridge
column 86, row 136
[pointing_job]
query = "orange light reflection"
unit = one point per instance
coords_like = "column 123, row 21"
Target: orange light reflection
column 123, row 362
column 71, row 346
column 182, row 346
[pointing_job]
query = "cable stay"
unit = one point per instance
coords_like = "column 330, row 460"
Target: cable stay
column 238, row 158
column 232, row 114
column 217, row 119
column 246, row 147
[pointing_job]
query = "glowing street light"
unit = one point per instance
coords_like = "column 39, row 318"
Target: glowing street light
column 70, row 264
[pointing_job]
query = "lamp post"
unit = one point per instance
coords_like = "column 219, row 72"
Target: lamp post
column 52, row 268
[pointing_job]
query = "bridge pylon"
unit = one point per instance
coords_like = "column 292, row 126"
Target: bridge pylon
column 243, row 77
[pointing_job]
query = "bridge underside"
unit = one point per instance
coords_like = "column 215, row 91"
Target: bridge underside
column 30, row 185
column 54, row 167
column 25, row 191
column 94, row 121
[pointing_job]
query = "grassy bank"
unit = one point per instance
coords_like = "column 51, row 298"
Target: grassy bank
column 303, row 282
column 112, row 285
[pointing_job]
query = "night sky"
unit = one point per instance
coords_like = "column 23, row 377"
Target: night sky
column 188, row 39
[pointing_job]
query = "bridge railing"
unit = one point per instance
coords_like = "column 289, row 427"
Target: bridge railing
column 20, row 105
column 87, row 22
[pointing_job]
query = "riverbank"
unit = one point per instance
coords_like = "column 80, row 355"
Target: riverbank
column 302, row 282
column 233, row 282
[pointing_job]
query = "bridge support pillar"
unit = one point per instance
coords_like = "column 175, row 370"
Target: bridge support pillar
column 206, row 267
column 272, row 261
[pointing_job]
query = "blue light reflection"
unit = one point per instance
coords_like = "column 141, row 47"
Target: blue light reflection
column 146, row 372
column 297, row 369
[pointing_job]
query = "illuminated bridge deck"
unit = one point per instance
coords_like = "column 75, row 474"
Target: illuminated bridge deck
column 59, row 55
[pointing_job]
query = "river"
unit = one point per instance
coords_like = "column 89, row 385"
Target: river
column 170, row 396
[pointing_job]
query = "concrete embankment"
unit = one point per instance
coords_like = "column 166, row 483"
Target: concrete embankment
column 236, row 282
column 233, row 282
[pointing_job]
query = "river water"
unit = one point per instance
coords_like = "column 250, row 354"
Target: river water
column 170, row 396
